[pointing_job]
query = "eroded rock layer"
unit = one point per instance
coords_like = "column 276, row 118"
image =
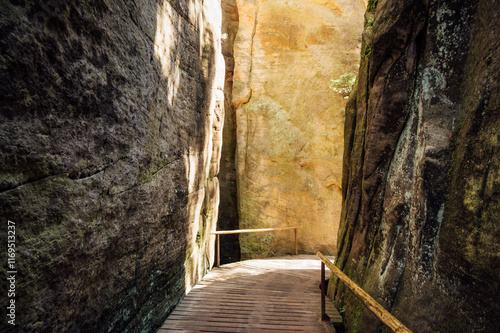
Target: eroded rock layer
column 289, row 123
column 421, row 182
column 110, row 134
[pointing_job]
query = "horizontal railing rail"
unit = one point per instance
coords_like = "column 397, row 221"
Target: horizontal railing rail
column 242, row 231
column 378, row 310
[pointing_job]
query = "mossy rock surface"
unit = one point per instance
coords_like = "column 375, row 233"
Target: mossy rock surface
column 419, row 228
column 107, row 112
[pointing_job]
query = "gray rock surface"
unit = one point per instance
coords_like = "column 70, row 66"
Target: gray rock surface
column 110, row 129
column 421, row 183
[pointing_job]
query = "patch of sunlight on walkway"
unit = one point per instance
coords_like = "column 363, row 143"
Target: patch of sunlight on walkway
column 275, row 294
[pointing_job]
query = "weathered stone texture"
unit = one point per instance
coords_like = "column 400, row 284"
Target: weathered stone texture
column 110, row 134
column 421, row 185
column 289, row 123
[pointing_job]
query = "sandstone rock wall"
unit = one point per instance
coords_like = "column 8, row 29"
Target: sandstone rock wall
column 421, row 183
column 110, row 133
column 289, row 123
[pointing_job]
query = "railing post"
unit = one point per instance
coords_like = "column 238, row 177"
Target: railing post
column 218, row 250
column 296, row 251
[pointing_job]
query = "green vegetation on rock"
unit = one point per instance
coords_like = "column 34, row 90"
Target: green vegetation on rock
column 344, row 84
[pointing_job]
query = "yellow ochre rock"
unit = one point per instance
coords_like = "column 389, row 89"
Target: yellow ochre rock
column 289, row 122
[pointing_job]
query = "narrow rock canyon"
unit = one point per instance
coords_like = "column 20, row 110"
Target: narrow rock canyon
column 131, row 129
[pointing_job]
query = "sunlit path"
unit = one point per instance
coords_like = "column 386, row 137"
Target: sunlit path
column 264, row 295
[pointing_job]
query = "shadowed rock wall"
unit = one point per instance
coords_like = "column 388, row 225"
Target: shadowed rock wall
column 228, row 213
column 289, row 123
column 421, row 184
column 110, row 134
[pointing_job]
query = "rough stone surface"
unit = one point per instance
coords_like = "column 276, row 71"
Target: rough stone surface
column 228, row 213
column 110, row 135
column 421, row 184
column 289, row 123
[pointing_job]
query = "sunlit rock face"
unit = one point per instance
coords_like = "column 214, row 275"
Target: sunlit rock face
column 421, row 183
column 110, row 135
column 289, row 123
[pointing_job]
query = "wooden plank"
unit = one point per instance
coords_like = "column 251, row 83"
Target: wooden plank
column 268, row 308
column 201, row 324
column 177, row 330
column 242, row 321
column 202, row 329
column 244, row 310
column 236, row 316
column 207, row 324
column 208, row 314
column 249, row 301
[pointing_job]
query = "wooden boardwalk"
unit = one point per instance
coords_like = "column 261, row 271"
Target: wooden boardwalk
column 265, row 295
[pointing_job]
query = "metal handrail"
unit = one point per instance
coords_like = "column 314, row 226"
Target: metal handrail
column 240, row 231
column 378, row 310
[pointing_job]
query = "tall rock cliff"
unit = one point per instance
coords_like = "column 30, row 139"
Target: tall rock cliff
column 289, row 123
column 110, row 134
column 421, row 183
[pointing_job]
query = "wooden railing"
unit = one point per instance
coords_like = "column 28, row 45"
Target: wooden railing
column 241, row 231
column 378, row 310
